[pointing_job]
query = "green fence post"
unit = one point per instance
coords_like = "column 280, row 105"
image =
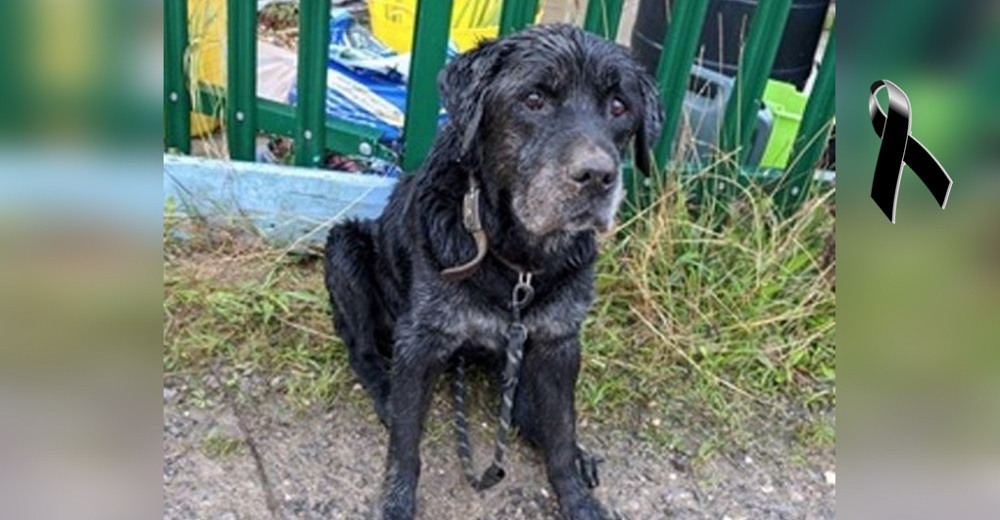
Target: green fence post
column 672, row 74
column 176, row 96
column 813, row 134
column 756, row 60
column 674, row 70
column 430, row 43
column 314, row 43
column 516, row 15
column 603, row 16
column 241, row 81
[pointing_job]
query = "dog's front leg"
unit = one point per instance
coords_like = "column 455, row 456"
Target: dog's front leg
column 416, row 363
column 549, row 376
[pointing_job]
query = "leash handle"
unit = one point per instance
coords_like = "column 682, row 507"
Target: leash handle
column 491, row 477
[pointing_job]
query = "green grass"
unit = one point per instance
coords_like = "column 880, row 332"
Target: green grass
column 697, row 326
column 724, row 315
column 216, row 445
column 259, row 312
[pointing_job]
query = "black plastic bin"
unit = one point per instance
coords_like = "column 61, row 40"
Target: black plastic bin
column 726, row 21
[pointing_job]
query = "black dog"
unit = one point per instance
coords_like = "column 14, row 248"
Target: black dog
column 518, row 182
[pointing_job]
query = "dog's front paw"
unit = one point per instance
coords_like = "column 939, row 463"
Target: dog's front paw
column 586, row 508
column 398, row 509
column 399, row 501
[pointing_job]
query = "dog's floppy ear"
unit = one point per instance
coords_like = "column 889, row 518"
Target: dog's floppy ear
column 463, row 84
column 651, row 123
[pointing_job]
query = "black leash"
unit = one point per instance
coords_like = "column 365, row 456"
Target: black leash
column 517, row 335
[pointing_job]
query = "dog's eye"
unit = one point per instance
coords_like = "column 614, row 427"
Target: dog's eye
column 534, row 101
column 618, row 107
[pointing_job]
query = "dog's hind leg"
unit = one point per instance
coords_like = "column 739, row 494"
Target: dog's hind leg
column 350, row 279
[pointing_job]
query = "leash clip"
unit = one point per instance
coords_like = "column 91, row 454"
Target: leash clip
column 523, row 291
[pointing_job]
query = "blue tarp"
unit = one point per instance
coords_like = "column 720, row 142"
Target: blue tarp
column 366, row 80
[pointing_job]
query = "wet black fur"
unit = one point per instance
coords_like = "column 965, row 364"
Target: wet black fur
column 402, row 323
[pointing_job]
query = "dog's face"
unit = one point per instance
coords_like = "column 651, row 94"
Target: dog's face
column 547, row 115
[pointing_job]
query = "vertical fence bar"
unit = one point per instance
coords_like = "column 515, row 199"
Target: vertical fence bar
column 516, row 15
column 603, row 16
column 314, row 43
column 176, row 96
column 766, row 29
column 430, row 43
column 18, row 83
column 241, row 81
column 674, row 70
column 813, row 134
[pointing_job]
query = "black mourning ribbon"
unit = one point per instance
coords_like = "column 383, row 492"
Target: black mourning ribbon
column 899, row 147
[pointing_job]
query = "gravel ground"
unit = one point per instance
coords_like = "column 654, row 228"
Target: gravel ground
column 328, row 465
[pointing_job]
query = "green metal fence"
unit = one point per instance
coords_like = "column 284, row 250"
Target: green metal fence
column 313, row 132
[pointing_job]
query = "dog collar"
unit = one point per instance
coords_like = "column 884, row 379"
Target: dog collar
column 472, row 222
column 474, row 225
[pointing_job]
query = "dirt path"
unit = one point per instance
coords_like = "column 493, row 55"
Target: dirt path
column 327, row 465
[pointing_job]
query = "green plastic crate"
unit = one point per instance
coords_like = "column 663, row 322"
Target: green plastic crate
column 787, row 105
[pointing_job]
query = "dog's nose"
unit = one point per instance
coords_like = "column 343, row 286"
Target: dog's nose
column 598, row 171
column 599, row 177
column 592, row 167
